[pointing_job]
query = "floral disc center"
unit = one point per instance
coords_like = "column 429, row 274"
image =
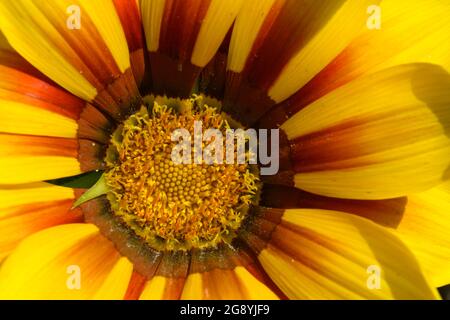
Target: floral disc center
column 175, row 206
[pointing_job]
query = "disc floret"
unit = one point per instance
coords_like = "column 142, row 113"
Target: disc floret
column 175, row 206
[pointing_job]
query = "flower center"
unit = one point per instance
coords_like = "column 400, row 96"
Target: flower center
column 176, row 206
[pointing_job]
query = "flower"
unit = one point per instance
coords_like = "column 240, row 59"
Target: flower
column 359, row 209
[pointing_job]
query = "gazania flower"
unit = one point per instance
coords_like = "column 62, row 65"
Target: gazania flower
column 358, row 210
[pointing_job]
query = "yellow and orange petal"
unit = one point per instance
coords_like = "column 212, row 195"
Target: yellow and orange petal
column 420, row 220
column 26, row 209
column 235, row 284
column 294, row 41
column 31, row 106
column 182, row 38
column 213, row 275
column 40, row 123
column 130, row 17
column 92, row 62
column 62, row 254
column 410, row 33
column 382, row 136
column 25, row 159
column 320, row 254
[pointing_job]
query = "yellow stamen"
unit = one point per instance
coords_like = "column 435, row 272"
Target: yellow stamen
column 175, row 206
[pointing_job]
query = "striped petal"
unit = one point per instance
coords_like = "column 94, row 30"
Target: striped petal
column 169, row 278
column 162, row 288
column 319, row 254
column 66, row 262
column 26, row 159
column 38, row 112
column 410, row 32
column 421, row 220
column 26, row 209
column 136, row 286
column 182, row 38
column 235, row 284
column 31, row 106
column 382, row 136
column 130, row 17
column 225, row 273
column 116, row 283
column 278, row 46
column 89, row 61
column 11, row 59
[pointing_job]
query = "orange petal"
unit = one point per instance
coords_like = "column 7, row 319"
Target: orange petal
column 136, row 286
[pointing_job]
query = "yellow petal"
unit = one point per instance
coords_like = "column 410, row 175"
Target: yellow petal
column 31, row 105
column 421, row 26
column 421, row 220
column 130, row 18
column 26, row 119
column 26, row 159
column 152, row 12
column 154, row 289
column 319, row 254
column 254, row 289
column 410, row 32
column 382, row 136
column 107, row 22
column 235, row 284
column 84, row 60
column 26, row 209
column 193, row 288
column 18, row 195
column 425, row 228
column 66, row 262
column 329, row 38
column 4, row 44
column 247, row 26
column 168, row 278
column 33, row 36
column 162, row 288
column 217, row 22
column 116, row 283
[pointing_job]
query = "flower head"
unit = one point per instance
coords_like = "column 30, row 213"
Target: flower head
column 360, row 94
